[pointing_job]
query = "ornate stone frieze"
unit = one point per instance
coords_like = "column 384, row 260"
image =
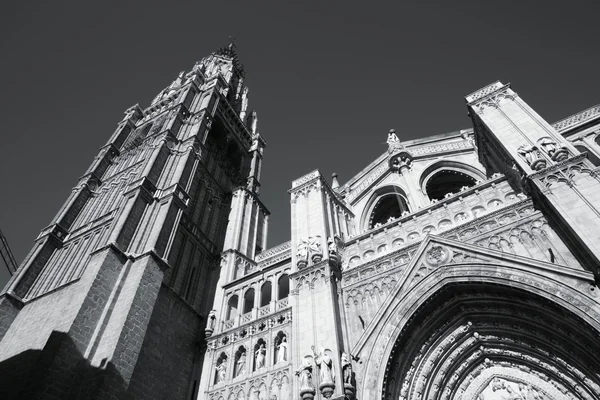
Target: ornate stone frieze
column 273, row 251
column 577, row 119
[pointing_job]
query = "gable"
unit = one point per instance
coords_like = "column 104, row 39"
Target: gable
column 438, row 257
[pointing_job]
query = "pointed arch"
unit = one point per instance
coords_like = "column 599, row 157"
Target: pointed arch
column 389, row 201
column 536, row 298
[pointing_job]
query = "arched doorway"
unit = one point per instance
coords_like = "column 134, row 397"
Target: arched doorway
column 483, row 341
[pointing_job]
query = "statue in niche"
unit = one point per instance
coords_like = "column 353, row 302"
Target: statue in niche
column 325, row 364
column 305, row 374
column 240, row 367
column 314, row 247
column 347, row 368
column 282, row 349
column 221, row 372
column 260, row 356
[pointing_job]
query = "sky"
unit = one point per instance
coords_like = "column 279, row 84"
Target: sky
column 328, row 80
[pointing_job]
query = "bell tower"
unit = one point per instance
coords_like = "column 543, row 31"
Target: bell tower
column 112, row 300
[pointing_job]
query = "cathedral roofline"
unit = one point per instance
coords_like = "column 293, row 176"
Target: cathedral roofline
column 563, row 126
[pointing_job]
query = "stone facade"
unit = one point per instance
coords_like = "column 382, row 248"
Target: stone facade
column 459, row 266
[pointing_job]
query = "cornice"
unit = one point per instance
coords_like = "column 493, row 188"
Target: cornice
column 578, row 119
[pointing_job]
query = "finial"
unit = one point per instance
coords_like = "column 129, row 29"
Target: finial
column 334, row 181
column 232, row 42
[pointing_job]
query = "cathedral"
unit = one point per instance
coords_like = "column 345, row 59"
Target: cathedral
column 462, row 266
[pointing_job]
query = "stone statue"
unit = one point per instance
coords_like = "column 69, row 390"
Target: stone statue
column 212, row 319
column 305, row 374
column 531, row 155
column 527, row 152
column 302, row 252
column 347, row 368
column 240, row 367
column 260, row 355
column 282, row 349
column 221, row 372
column 331, row 246
column 548, row 145
column 314, row 247
column 392, row 138
column 325, row 364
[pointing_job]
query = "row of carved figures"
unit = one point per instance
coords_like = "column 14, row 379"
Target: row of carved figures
column 311, row 249
column 260, row 357
column 323, row 360
column 533, row 157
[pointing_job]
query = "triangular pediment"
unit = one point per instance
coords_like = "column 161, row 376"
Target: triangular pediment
column 441, row 257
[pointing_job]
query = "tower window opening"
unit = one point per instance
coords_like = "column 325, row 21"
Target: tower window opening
column 232, row 307
column 448, row 182
column 248, row 301
column 283, row 287
column 387, row 208
column 265, row 294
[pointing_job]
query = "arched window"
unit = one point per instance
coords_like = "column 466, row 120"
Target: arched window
column 221, row 368
column 446, row 182
column 388, row 207
column 283, row 287
column 265, row 294
column 240, row 362
column 248, row 301
column 385, row 204
column 232, row 307
column 590, row 154
column 137, row 137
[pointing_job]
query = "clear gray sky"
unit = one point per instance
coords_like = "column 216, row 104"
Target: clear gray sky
column 328, row 80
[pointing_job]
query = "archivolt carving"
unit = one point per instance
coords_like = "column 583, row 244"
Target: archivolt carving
column 528, row 334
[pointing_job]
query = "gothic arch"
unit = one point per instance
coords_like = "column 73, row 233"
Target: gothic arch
column 387, row 192
column 541, row 329
column 462, row 170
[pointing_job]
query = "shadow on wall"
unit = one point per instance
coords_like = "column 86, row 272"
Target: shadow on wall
column 58, row 371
